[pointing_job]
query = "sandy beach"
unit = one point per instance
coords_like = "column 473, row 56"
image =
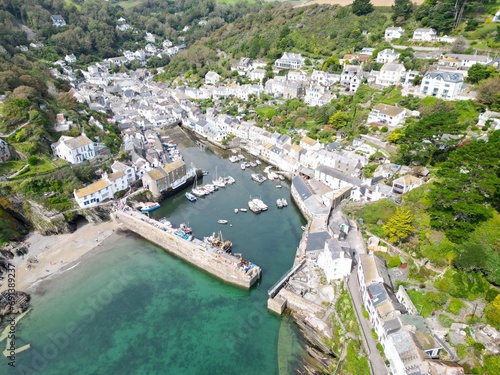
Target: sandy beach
column 56, row 254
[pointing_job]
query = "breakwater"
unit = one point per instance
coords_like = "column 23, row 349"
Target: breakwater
column 224, row 266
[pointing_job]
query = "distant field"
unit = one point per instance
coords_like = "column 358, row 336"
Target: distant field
column 378, row 3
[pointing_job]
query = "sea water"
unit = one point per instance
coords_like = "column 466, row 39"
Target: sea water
column 132, row 308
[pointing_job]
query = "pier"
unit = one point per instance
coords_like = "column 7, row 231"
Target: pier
column 227, row 267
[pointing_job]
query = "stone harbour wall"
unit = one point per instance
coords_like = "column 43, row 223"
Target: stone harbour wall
column 196, row 254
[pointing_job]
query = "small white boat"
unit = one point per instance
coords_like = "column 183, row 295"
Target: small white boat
column 229, row 180
column 258, row 177
column 253, row 207
column 222, row 221
column 242, row 166
column 236, row 210
column 281, row 177
column 208, row 187
column 205, row 173
column 233, row 159
column 259, row 203
column 241, row 157
column 303, row 227
column 278, row 186
column 257, row 162
column 285, row 203
column 279, row 203
column 243, row 209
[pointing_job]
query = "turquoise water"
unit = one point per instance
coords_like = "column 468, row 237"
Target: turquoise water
column 135, row 309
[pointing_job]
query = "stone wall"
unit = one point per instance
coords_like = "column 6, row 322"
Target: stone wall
column 193, row 253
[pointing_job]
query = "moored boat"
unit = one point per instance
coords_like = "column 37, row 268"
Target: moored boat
column 150, row 207
column 209, row 187
column 253, row 164
column 221, row 221
column 285, row 203
column 205, row 173
column 229, row 180
column 253, row 207
column 241, row 157
column 259, row 203
column 236, row 210
column 258, row 177
column 243, row 209
column 242, row 166
column 233, row 159
column 190, row 197
column 258, row 162
column 278, row 186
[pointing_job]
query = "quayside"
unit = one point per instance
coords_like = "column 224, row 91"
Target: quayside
column 231, row 269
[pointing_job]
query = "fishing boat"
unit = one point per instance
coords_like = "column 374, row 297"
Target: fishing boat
column 233, row 159
column 253, row 164
column 190, row 197
column 242, row 166
column 253, row 207
column 236, row 210
column 258, row 177
column 220, row 221
column 258, row 162
column 229, row 180
column 241, row 157
column 247, row 164
column 218, row 242
column 243, row 210
column 285, row 203
column 260, row 204
column 150, row 207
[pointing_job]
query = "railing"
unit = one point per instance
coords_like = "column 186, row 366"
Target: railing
column 279, row 284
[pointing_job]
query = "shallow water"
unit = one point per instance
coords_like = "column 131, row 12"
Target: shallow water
column 132, row 308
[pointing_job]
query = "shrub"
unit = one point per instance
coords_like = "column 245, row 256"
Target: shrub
column 394, row 262
column 455, row 306
column 33, row 160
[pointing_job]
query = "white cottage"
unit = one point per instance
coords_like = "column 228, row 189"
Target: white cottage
column 393, row 33
column 335, row 260
column 74, row 150
column 444, row 85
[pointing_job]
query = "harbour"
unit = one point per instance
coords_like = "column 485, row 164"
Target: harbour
column 183, row 319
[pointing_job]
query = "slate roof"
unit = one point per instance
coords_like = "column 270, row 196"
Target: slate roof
column 316, row 241
column 301, row 188
column 445, row 76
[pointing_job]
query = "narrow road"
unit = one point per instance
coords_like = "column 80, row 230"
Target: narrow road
column 376, row 360
column 15, row 130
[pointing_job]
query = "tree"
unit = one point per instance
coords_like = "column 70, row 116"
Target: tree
column 479, row 72
column 489, row 93
column 338, row 120
column 401, row 10
column 399, row 226
column 362, row 7
column 459, row 45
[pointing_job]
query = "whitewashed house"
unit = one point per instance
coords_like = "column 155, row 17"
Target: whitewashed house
column 127, row 170
column 492, row 117
column 70, row 59
column 150, row 38
column 211, row 78
column 466, row 61
column 167, row 43
column 74, row 150
column 102, row 189
column 387, row 55
column 424, row 35
column 57, row 20
column 390, row 74
column 351, row 77
column 444, row 85
column 257, row 75
column 387, row 114
column 405, row 184
column 290, row 61
column 393, row 33
column 335, row 261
